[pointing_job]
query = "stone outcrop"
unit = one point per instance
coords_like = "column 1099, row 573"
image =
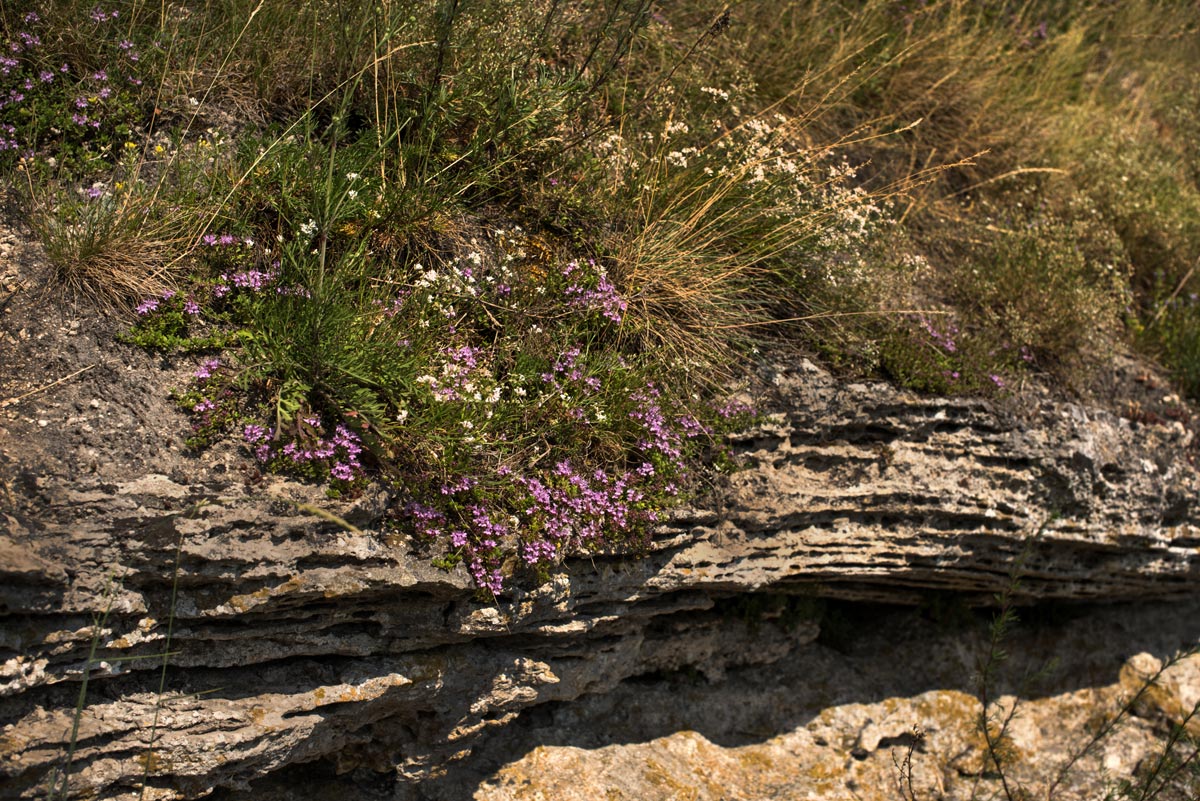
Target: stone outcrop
column 859, row 722
column 219, row 628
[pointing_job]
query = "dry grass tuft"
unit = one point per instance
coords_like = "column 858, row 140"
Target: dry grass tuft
column 110, row 259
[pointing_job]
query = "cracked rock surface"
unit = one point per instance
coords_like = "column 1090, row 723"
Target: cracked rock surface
column 232, row 641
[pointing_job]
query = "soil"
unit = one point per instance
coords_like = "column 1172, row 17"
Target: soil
column 73, row 400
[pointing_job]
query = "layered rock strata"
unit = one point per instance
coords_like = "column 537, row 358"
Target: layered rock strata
column 215, row 629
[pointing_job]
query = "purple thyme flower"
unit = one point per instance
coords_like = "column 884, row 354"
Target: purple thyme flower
column 205, row 369
column 254, row 434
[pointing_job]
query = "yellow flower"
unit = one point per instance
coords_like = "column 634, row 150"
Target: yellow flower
column 131, row 146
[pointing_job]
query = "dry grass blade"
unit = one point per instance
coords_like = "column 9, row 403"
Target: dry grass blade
column 18, row 398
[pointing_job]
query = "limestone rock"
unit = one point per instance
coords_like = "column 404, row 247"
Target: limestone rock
column 226, row 634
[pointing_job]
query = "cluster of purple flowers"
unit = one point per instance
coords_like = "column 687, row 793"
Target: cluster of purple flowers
column 99, row 91
column 12, row 98
column 457, row 486
column 566, row 367
column 567, row 509
column 483, row 550
column 477, row 538
column 251, row 280
column 224, row 240
column 733, row 408
column 573, row 507
column 486, row 573
column 149, row 305
column 28, row 41
column 661, row 436
column 690, row 426
column 17, row 85
column 24, row 74
column 572, row 510
column 565, row 513
column 205, row 370
column 396, row 305
column 943, row 340
column 99, row 15
column 427, row 520
column 604, row 298
column 340, row 454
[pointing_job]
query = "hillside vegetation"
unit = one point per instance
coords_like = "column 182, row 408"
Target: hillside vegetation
column 514, row 258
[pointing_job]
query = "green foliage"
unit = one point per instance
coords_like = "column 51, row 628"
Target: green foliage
column 71, row 93
column 1174, row 332
column 173, row 328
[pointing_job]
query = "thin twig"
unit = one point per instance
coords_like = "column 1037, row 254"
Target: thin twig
column 167, row 653
column 98, row 624
column 1108, row 726
column 1182, row 283
column 1010, row 174
column 828, row 315
column 317, row 511
column 44, row 387
column 1005, row 619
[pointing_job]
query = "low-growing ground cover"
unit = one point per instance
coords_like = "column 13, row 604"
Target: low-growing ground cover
column 513, row 258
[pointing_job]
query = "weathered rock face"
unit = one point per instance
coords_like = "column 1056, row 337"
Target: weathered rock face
column 837, row 720
column 225, row 633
